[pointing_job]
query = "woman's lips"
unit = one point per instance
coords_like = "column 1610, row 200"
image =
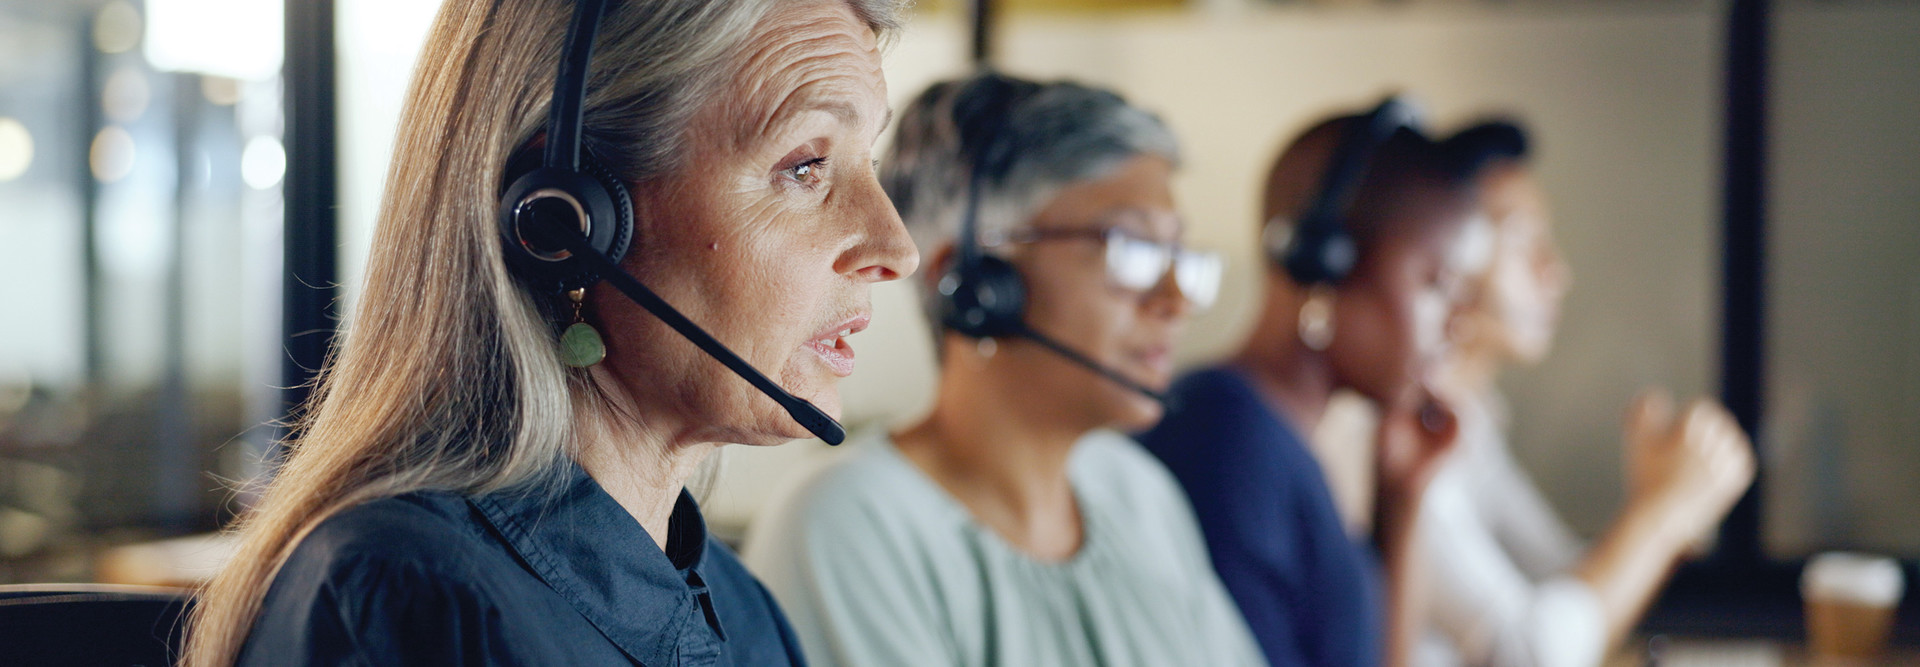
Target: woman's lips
column 832, row 346
column 836, row 353
column 1157, row 360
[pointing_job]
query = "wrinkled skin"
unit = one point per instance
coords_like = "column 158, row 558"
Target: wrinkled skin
column 770, row 236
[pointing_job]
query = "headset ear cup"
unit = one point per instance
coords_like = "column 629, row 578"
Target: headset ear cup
column 1320, row 249
column 1321, row 255
column 986, row 300
column 596, row 193
column 616, row 239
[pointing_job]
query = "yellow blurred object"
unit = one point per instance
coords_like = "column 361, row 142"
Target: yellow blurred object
column 182, row 562
column 1053, row 5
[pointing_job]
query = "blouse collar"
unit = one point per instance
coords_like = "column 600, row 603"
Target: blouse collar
column 653, row 604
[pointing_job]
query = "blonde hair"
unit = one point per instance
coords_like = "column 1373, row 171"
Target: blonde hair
column 447, row 377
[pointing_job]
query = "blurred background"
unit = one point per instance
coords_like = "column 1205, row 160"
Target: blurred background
column 188, row 188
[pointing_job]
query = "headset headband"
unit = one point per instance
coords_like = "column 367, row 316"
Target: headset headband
column 570, row 87
column 983, row 146
column 1320, row 248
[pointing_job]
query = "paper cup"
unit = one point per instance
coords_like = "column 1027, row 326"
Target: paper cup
column 1850, row 600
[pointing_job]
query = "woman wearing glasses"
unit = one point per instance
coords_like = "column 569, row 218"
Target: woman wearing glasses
column 1014, row 525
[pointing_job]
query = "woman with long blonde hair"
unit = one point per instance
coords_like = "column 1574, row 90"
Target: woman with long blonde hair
column 464, row 488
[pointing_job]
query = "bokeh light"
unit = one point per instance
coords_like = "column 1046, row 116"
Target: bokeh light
column 125, row 96
column 112, row 154
column 241, row 39
column 220, row 90
column 16, row 149
column 116, row 29
column 263, row 163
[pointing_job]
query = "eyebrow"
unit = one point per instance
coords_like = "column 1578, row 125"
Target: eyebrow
column 1143, row 219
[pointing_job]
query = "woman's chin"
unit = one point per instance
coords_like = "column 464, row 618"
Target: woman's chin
column 1136, row 412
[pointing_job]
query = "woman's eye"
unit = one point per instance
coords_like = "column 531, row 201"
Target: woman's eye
column 808, row 172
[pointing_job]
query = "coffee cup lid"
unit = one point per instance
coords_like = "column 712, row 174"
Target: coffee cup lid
column 1852, row 577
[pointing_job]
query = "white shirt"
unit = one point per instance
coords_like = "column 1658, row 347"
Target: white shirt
column 1499, row 559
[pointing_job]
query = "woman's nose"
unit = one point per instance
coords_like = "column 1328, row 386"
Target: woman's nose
column 884, row 251
column 1559, row 273
column 1165, row 300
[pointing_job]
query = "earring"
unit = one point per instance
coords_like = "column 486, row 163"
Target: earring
column 580, row 344
column 986, row 347
column 1316, row 319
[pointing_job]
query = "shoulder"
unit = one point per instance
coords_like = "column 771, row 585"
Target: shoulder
column 1213, row 408
column 1118, row 478
column 865, row 554
column 870, row 502
column 1115, row 466
column 1214, row 389
column 367, row 571
column 1220, row 430
column 424, row 533
column 871, row 485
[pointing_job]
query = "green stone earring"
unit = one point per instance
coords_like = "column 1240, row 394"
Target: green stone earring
column 580, row 344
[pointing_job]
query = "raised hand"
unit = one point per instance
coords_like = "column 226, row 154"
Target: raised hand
column 1692, row 465
column 1414, row 437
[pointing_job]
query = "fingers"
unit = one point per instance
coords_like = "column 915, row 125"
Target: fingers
column 1651, row 411
column 1414, row 439
column 1723, row 453
column 1649, row 429
column 1439, row 424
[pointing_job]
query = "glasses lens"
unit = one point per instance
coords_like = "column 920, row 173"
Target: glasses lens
column 1136, row 264
column 1198, row 274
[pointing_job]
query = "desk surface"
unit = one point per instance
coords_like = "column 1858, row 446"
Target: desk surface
column 1677, row 651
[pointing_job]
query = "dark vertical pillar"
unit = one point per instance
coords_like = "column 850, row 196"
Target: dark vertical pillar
column 1744, row 266
column 175, row 455
column 94, row 347
column 984, row 17
column 310, row 191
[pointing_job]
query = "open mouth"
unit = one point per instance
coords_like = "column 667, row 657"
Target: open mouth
column 832, row 347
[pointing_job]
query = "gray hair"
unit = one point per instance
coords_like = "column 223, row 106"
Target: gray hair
column 657, row 63
column 1054, row 134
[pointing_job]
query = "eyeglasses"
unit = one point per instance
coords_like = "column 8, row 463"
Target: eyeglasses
column 1138, row 264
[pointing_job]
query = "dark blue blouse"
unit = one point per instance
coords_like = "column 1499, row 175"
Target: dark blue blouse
column 565, row 577
column 1310, row 593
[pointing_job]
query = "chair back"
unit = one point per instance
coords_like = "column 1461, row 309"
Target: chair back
column 91, row 624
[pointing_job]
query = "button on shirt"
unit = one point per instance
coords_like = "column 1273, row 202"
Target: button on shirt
column 562, row 575
column 1310, row 593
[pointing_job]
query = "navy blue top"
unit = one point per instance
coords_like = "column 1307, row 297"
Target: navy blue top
column 1310, row 593
column 565, row 577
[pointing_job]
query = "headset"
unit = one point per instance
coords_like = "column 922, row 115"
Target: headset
column 566, row 224
column 983, row 296
column 1318, row 248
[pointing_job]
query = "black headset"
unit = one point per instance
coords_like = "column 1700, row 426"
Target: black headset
column 984, row 296
column 567, row 223
column 1318, row 248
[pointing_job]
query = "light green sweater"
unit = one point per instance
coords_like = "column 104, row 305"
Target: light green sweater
column 877, row 566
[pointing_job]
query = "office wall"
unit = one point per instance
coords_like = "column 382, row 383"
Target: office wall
column 1843, row 437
